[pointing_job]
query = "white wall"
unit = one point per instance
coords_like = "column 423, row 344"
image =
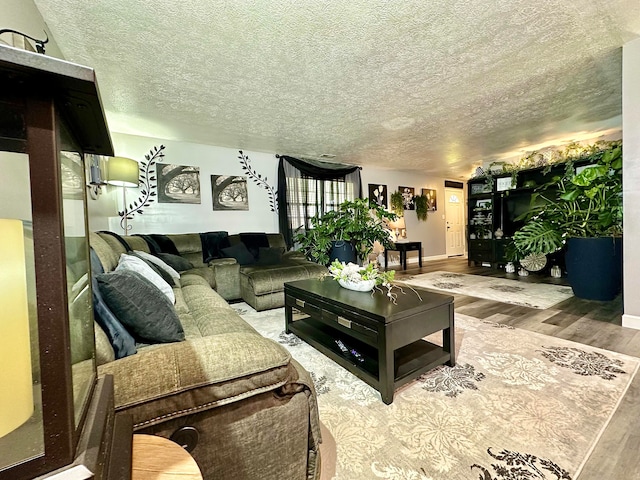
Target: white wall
column 183, row 218
column 24, row 16
column 631, row 180
column 430, row 232
column 213, row 160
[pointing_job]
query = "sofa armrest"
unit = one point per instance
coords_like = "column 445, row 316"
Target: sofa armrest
column 294, row 255
column 222, row 261
column 169, row 381
column 227, row 274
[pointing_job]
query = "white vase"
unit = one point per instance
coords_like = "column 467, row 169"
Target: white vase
column 556, row 272
column 363, row 286
column 510, row 267
column 523, row 273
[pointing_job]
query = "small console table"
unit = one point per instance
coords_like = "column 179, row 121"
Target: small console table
column 403, row 248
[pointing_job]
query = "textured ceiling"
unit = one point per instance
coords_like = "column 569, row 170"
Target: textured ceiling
column 436, row 86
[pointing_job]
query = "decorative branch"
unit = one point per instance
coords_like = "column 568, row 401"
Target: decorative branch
column 259, row 180
column 148, row 180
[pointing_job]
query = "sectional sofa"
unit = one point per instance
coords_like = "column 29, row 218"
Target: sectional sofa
column 240, row 403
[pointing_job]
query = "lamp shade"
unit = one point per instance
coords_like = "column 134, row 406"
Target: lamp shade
column 16, row 385
column 398, row 224
column 122, row 172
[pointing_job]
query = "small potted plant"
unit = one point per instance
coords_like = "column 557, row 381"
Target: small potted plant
column 396, row 203
column 357, row 224
column 422, row 206
column 584, row 212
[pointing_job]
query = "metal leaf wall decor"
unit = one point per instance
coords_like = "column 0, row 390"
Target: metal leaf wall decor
column 148, row 185
column 259, row 180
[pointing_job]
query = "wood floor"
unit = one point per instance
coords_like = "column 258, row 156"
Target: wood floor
column 615, row 456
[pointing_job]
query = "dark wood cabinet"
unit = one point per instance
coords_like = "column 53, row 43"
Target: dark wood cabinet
column 495, row 205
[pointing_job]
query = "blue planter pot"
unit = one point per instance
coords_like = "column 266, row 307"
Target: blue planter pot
column 342, row 251
column 594, row 267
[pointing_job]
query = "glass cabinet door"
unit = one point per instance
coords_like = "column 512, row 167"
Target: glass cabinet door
column 72, row 179
column 21, row 424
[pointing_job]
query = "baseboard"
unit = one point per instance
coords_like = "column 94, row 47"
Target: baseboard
column 434, row 257
column 425, row 259
column 631, row 321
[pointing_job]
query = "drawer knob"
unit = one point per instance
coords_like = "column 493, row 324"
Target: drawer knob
column 344, row 322
column 300, row 303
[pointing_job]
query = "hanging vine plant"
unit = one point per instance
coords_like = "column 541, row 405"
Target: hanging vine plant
column 422, row 206
column 259, row 180
column 396, row 202
column 148, row 181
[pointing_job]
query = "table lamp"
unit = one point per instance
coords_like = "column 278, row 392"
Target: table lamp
column 399, row 228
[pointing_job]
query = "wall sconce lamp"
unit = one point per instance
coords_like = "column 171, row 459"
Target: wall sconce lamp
column 39, row 43
column 399, row 228
column 16, row 394
column 123, row 172
column 97, row 165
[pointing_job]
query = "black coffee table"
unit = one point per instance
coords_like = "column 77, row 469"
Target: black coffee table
column 379, row 342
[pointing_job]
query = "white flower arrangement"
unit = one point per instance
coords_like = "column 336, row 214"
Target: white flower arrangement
column 350, row 272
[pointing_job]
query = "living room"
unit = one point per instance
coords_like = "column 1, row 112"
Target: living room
column 213, row 160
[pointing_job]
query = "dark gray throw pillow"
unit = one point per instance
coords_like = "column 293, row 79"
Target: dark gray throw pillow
column 240, row 252
column 141, row 307
column 164, row 275
column 178, row 263
column 269, row 255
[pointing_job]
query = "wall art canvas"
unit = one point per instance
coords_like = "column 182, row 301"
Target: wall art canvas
column 378, row 194
column 229, row 192
column 178, row 184
column 431, row 199
column 407, row 197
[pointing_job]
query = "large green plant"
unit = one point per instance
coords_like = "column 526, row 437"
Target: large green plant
column 587, row 204
column 360, row 222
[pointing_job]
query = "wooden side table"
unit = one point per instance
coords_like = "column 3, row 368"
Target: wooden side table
column 403, row 248
column 158, row 458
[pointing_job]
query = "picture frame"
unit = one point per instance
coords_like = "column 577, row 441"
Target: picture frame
column 229, row 192
column 432, row 204
column 378, row 194
column 407, row 197
column 504, row 183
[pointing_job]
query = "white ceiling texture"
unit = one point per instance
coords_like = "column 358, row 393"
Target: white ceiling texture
column 436, row 86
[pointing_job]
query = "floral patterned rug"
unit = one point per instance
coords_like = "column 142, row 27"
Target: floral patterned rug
column 526, row 294
column 517, row 406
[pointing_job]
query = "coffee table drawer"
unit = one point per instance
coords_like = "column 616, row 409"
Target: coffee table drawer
column 304, row 306
column 351, row 324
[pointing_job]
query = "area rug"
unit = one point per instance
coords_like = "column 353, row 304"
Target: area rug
column 518, row 405
column 526, row 294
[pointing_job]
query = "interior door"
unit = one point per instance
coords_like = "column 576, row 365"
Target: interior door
column 454, row 212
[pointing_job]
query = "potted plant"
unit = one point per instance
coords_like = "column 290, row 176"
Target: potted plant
column 584, row 212
column 422, row 206
column 355, row 226
column 396, row 203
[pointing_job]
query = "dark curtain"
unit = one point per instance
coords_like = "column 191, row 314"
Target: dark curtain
column 310, row 187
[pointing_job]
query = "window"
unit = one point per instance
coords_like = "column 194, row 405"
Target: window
column 307, row 188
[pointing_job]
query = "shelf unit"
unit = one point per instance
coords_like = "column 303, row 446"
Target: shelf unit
column 497, row 205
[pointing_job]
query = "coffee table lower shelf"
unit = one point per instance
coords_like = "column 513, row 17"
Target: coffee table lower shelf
column 410, row 361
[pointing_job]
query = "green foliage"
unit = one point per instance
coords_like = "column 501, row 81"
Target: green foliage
column 360, row 222
column 396, row 203
column 587, row 204
column 422, row 206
